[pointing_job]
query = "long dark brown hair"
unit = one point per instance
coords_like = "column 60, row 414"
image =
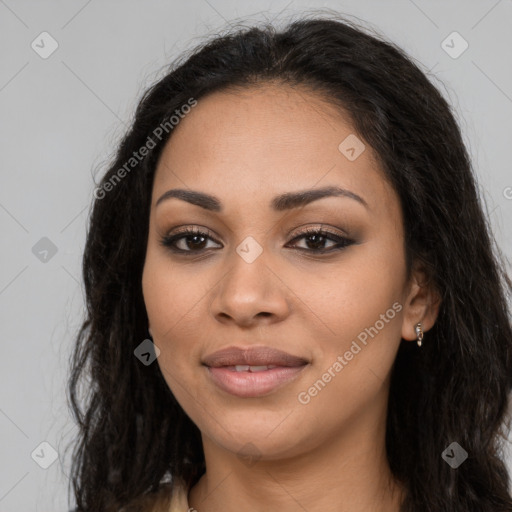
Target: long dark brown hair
column 134, row 436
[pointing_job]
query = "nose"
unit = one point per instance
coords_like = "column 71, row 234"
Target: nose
column 250, row 293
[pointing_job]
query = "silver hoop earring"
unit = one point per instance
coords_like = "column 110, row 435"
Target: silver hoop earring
column 419, row 333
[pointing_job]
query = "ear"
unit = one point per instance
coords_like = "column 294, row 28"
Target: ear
column 150, row 333
column 422, row 303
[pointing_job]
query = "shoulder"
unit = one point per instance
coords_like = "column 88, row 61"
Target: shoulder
column 178, row 496
column 170, row 497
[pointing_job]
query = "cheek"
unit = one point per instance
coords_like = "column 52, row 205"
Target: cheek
column 174, row 299
column 356, row 294
column 360, row 313
column 170, row 293
column 353, row 365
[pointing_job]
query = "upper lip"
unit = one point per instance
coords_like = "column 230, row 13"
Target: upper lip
column 252, row 356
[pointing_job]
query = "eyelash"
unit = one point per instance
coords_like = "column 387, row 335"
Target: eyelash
column 169, row 241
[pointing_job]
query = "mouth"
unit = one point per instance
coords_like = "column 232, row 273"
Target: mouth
column 252, row 357
column 253, row 372
column 249, row 368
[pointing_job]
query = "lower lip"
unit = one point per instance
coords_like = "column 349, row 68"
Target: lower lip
column 253, row 384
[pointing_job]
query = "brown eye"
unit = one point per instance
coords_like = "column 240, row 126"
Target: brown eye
column 316, row 239
column 191, row 240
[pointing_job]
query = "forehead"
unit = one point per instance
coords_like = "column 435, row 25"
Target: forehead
column 254, row 143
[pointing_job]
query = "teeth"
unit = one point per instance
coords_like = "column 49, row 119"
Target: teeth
column 258, row 368
column 246, row 367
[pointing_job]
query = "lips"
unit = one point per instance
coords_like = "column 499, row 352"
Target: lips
column 253, row 357
column 252, row 372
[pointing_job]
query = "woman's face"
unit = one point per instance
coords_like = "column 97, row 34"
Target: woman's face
column 258, row 279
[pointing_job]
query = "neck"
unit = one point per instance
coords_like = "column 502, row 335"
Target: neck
column 346, row 473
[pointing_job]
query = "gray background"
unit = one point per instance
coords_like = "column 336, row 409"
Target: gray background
column 61, row 118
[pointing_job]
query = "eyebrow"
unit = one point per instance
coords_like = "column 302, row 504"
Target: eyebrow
column 279, row 203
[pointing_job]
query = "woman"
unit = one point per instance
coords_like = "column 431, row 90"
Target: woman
column 340, row 339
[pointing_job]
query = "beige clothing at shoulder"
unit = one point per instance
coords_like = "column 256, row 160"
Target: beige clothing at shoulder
column 179, row 498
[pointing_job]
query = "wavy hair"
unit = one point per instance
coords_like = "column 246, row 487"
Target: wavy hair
column 135, row 439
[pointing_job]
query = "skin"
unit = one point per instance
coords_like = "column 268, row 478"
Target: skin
column 245, row 147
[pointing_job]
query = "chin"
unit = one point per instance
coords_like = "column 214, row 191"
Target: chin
column 256, row 439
